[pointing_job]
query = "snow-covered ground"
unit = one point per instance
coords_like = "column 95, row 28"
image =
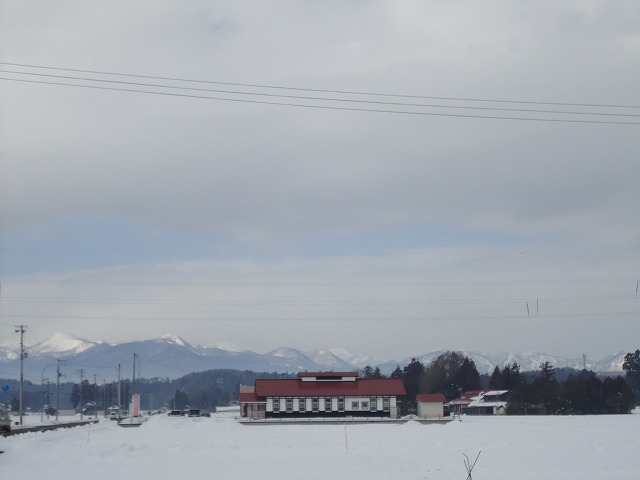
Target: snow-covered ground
column 585, row 447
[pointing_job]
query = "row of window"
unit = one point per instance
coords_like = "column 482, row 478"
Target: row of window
column 361, row 405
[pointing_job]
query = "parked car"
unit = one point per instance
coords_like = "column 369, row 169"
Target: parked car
column 48, row 410
column 194, row 412
column 175, row 413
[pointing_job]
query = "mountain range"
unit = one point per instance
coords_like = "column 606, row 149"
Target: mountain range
column 171, row 357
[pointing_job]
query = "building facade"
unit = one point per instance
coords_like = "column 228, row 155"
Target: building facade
column 324, row 394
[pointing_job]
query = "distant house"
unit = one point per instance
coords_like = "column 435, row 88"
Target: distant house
column 430, row 405
column 322, row 394
column 493, row 402
column 459, row 405
column 480, row 402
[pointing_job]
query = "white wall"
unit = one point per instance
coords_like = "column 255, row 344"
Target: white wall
column 430, row 409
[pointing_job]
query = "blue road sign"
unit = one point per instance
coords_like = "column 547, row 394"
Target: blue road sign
column 5, row 388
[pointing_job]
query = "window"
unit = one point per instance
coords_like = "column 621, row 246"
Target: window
column 364, row 405
column 327, row 404
column 341, row 404
column 314, row 404
column 374, row 404
column 276, row 405
column 385, row 404
column 354, row 405
column 302, row 405
column 289, row 404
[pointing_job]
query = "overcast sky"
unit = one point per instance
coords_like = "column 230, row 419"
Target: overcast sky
column 391, row 178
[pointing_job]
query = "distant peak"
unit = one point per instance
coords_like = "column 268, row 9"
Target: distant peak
column 63, row 343
column 227, row 347
column 284, row 352
column 174, row 339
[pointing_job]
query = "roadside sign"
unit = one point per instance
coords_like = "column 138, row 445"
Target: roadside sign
column 5, row 388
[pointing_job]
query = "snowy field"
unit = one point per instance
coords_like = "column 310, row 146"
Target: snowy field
column 589, row 447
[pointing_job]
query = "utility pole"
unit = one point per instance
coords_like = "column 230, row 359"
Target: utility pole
column 81, row 372
column 58, row 375
column 119, row 393
column 48, row 399
column 21, row 329
column 95, row 391
column 133, row 383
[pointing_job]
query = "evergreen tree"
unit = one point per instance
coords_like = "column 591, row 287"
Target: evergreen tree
column 439, row 375
column 497, row 381
column 180, row 400
column 631, row 366
column 552, row 400
column 584, row 394
column 547, row 373
column 525, row 399
column 619, row 397
column 84, row 392
column 511, row 376
column 369, row 372
column 466, row 377
column 631, row 363
column 411, row 375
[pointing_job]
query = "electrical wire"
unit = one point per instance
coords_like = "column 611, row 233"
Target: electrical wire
column 327, row 103
column 113, row 301
column 347, row 92
column 452, row 283
column 263, row 319
column 344, row 100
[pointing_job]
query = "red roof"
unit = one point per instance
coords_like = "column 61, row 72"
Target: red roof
column 284, row 387
column 431, row 397
column 249, row 397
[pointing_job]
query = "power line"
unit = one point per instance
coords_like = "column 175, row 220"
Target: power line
column 114, row 301
column 330, row 107
column 346, row 92
column 452, row 283
column 263, row 319
column 326, row 99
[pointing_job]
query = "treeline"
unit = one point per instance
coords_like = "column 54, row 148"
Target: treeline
column 204, row 390
column 581, row 394
column 541, row 392
column 451, row 373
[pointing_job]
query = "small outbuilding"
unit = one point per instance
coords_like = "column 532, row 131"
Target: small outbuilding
column 431, row 405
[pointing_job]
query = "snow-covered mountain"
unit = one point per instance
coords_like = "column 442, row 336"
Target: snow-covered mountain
column 61, row 345
column 358, row 361
column 612, row 363
column 528, row 361
column 170, row 356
